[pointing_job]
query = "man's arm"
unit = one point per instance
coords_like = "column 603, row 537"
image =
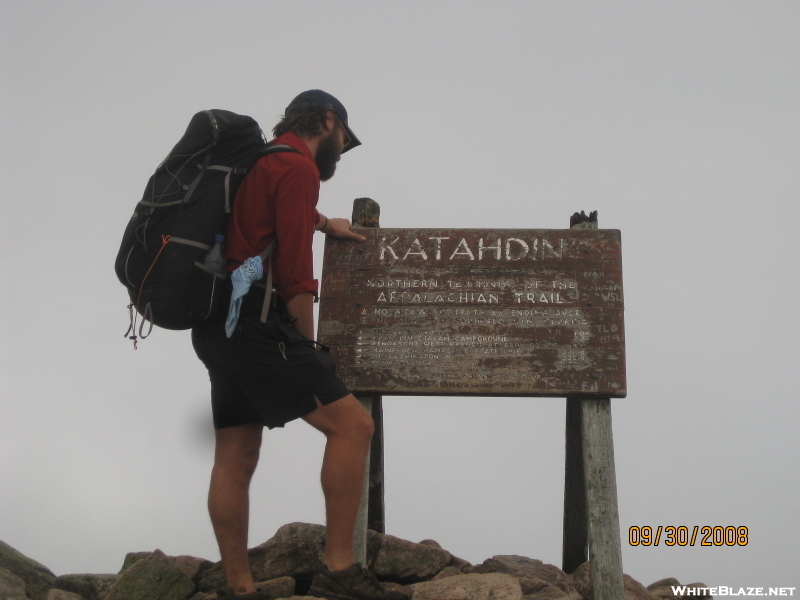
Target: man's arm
column 301, row 306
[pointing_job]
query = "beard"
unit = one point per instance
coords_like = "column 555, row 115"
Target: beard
column 328, row 152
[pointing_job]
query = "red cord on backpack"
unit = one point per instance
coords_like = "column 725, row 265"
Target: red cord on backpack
column 134, row 314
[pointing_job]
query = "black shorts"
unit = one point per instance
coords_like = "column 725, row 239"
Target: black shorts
column 264, row 372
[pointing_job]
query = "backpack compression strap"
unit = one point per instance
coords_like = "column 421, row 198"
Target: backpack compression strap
column 267, row 255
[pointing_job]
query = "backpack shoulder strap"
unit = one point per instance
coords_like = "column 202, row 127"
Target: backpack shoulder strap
column 274, row 148
column 266, row 254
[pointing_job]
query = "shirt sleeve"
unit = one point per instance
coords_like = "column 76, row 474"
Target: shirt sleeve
column 295, row 217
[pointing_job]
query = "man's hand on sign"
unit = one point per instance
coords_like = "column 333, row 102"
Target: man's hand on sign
column 339, row 228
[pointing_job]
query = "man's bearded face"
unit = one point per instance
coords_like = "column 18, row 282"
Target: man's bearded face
column 328, row 152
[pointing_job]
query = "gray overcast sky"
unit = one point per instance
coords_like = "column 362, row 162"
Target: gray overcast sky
column 677, row 121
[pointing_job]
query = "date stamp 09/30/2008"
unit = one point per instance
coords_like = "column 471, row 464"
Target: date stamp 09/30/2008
column 685, row 536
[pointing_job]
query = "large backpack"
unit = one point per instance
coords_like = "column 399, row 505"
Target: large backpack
column 185, row 204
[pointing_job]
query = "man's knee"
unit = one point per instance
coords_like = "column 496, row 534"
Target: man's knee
column 238, row 448
column 365, row 425
column 345, row 417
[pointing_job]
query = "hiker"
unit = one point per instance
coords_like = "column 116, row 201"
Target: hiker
column 267, row 374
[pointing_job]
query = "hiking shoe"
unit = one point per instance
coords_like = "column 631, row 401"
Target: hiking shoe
column 227, row 593
column 354, row 583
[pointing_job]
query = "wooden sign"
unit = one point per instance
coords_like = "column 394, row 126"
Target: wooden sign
column 512, row 312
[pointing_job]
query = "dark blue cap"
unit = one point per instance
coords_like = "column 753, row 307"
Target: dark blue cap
column 324, row 100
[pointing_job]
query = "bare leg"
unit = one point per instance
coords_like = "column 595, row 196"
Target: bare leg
column 348, row 427
column 235, row 461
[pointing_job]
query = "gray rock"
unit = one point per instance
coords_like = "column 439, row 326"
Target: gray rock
column 38, row 578
column 447, row 572
column 153, row 578
column 667, row 582
column 316, row 533
column 55, row 594
column 300, row 531
column 633, row 590
column 532, row 585
column 582, row 581
column 523, row 567
column 296, row 558
column 293, row 558
column 406, row 562
column 391, row 586
column 11, row 586
column 552, row 592
column 191, row 566
column 433, row 543
column 663, row 592
column 280, row 587
column 133, row 557
column 460, row 564
column 86, row 585
column 472, row 586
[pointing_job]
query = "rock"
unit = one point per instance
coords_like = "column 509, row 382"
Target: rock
column 552, row 592
column 633, row 590
column 153, row 578
column 447, row 572
column 459, row 563
column 532, row 585
column 296, row 558
column 316, row 533
column 582, row 581
column 87, row 586
column 433, row 543
column 292, row 558
column 391, row 586
column 37, row 578
column 55, row 594
column 131, row 558
column 280, row 587
column 300, row 531
column 191, row 566
column 663, row 592
column 668, row 582
column 472, row 586
column 11, row 586
column 523, row 567
column 406, row 562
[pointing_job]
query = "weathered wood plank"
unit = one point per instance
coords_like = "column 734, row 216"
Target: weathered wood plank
column 366, row 213
column 605, row 552
column 520, row 312
column 590, row 488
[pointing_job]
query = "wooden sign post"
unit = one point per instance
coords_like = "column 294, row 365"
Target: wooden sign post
column 488, row 312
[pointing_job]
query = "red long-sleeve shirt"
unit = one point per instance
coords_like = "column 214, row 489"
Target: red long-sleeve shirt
column 277, row 200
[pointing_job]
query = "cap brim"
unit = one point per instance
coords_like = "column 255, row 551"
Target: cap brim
column 354, row 141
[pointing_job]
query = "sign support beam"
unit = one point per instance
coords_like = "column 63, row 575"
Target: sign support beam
column 591, row 514
column 366, row 213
